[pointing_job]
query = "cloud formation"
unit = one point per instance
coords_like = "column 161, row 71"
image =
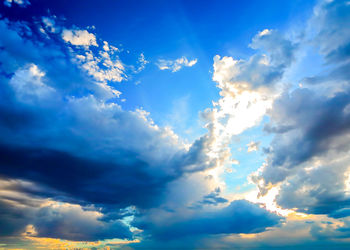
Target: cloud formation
column 175, row 65
column 239, row 217
column 79, row 37
column 308, row 157
column 253, row 146
column 81, row 150
column 29, row 215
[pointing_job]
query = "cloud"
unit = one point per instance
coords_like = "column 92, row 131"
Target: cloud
column 22, row 214
column 213, row 198
column 175, row 65
column 50, row 24
column 21, row 3
column 142, row 63
column 253, row 146
column 247, row 89
column 79, row 37
column 79, row 149
column 239, row 217
column 106, row 66
column 263, row 69
column 63, row 131
column 308, row 157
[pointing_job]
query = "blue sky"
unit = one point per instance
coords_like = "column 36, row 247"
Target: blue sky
column 172, row 124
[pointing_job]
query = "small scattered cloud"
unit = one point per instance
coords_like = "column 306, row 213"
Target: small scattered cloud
column 79, row 37
column 175, row 65
column 253, row 146
column 21, row 3
column 50, row 24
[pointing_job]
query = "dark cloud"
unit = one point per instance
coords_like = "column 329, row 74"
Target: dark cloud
column 213, row 198
column 73, row 223
column 13, row 220
column 308, row 157
column 239, row 217
column 56, row 220
column 344, row 212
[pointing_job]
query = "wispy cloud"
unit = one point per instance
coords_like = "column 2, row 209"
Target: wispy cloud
column 175, row 65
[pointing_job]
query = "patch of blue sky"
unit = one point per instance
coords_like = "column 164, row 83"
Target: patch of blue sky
column 237, row 180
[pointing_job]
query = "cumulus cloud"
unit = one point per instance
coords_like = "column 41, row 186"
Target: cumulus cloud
column 79, row 37
column 308, row 157
column 248, row 88
column 274, row 54
column 310, row 154
column 175, row 65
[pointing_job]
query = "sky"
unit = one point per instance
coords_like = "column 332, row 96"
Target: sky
column 174, row 124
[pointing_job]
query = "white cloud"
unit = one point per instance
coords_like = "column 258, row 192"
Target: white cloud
column 29, row 86
column 50, row 24
column 106, row 66
column 175, row 65
column 79, row 37
column 142, row 61
column 253, row 146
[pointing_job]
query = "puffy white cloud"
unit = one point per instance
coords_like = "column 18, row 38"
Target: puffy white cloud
column 79, row 37
column 175, row 65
